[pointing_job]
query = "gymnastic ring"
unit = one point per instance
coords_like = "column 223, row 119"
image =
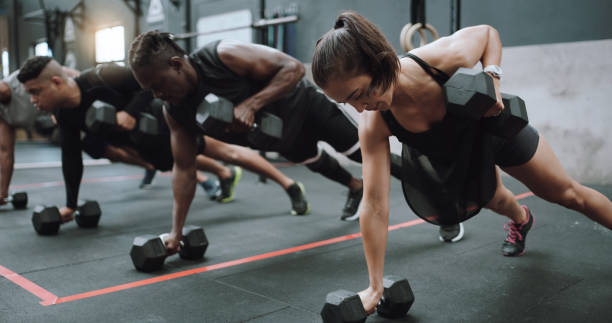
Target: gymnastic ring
column 409, row 30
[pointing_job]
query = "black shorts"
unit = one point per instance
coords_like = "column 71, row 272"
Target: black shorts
column 517, row 150
column 326, row 122
column 95, row 146
column 159, row 152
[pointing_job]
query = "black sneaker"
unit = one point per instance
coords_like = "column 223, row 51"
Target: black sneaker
column 147, row 179
column 451, row 233
column 351, row 207
column 297, row 194
column 228, row 185
column 514, row 245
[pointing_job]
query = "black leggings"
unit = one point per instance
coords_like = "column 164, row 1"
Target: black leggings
column 519, row 149
column 325, row 122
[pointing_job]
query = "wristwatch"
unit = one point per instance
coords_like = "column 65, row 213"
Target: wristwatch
column 494, row 71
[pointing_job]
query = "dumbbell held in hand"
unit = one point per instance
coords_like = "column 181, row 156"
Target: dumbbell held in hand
column 19, row 200
column 101, row 118
column 47, row 219
column 512, row 119
column 148, row 252
column 470, row 93
column 215, row 114
column 343, row 306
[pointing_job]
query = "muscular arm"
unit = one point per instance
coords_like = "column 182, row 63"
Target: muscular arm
column 7, row 156
column 464, row 48
column 183, row 173
column 72, row 163
column 374, row 218
column 281, row 71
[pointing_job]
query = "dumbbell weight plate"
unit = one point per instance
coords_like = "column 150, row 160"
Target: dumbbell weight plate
column 88, row 214
column 19, row 200
column 343, row 306
column 46, row 220
column 148, row 253
column 469, row 93
column 397, row 297
column 194, row 243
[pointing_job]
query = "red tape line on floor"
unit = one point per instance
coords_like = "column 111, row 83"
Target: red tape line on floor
column 47, row 298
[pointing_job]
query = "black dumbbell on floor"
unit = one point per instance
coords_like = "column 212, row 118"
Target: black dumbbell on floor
column 215, row 114
column 343, row 306
column 148, row 252
column 19, row 200
column 470, row 93
column 47, row 219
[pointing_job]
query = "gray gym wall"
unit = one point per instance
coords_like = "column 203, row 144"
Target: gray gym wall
column 552, row 56
column 520, row 22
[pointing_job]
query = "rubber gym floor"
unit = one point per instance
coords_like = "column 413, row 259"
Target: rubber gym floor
column 264, row 265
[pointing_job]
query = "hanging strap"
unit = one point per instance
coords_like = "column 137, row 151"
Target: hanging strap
column 437, row 74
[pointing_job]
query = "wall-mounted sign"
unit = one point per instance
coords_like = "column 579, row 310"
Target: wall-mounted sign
column 155, row 12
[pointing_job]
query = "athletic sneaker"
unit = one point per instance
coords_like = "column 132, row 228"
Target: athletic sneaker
column 451, row 233
column 147, row 179
column 514, row 245
column 212, row 187
column 228, row 185
column 297, row 194
column 351, row 207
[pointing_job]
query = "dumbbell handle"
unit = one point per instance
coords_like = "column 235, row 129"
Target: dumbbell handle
column 8, row 199
column 164, row 236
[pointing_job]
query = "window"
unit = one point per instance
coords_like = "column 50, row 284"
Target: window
column 5, row 64
column 110, row 45
column 42, row 49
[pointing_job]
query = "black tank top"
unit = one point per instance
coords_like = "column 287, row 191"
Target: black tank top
column 442, row 141
column 459, row 154
column 216, row 78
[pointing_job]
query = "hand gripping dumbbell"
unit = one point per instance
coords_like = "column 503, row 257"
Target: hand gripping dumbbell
column 470, row 93
column 19, row 200
column 511, row 120
column 47, row 219
column 148, row 252
column 343, row 306
column 215, row 114
column 103, row 117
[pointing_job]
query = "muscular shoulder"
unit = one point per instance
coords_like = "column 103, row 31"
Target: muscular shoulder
column 457, row 50
column 372, row 127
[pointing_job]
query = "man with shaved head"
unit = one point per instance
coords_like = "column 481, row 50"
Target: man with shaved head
column 69, row 99
column 16, row 111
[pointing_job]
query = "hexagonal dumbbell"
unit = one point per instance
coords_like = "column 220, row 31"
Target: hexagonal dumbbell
column 469, row 93
column 344, row 306
column 215, row 114
column 148, row 252
column 397, row 297
column 47, row 219
column 101, row 118
column 19, row 200
column 512, row 119
column 87, row 214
